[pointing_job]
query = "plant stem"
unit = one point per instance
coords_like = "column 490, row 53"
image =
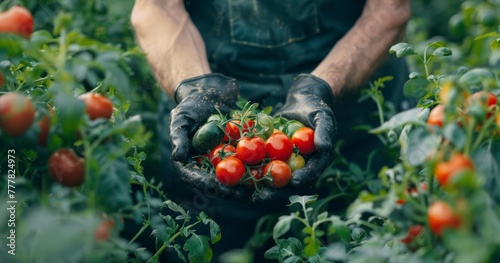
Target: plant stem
column 143, row 228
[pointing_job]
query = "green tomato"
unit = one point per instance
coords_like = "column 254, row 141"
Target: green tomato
column 291, row 126
column 207, row 137
column 296, row 161
column 265, row 125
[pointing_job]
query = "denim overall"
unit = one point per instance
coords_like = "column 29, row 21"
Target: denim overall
column 264, row 44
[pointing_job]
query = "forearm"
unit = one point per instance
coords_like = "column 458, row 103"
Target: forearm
column 173, row 46
column 363, row 49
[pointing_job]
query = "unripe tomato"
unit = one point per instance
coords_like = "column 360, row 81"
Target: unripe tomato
column 279, row 147
column 303, row 139
column 67, row 168
column 296, row 161
column 17, row 113
column 441, row 216
column 436, row 116
column 251, row 150
column 457, row 163
column 292, row 126
column 17, row 20
column 97, row 106
column 230, row 171
column 220, row 152
column 279, row 171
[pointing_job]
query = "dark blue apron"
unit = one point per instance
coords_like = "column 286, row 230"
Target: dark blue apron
column 265, row 44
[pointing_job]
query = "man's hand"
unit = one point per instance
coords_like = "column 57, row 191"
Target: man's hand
column 309, row 101
column 198, row 98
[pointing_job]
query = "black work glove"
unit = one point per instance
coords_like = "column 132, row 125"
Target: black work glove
column 309, row 101
column 198, row 98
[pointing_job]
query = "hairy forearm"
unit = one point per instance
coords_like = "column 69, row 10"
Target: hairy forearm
column 172, row 44
column 363, row 49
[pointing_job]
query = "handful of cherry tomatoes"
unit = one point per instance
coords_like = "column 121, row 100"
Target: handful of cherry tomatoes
column 251, row 148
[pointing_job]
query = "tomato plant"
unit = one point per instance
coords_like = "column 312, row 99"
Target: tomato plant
column 16, row 113
column 229, row 171
column 436, row 116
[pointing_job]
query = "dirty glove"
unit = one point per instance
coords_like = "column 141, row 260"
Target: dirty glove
column 198, row 98
column 309, row 101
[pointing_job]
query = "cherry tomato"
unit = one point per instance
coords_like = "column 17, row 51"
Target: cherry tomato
column 1, row 79
column 457, row 163
column 256, row 174
column 251, row 150
column 412, row 192
column 265, row 124
column 102, row 231
column 413, row 233
column 229, row 171
column 441, row 216
column 221, row 151
column 436, row 116
column 17, row 20
column 279, row 171
column 232, row 132
column 291, row 127
column 17, row 113
column 449, row 89
column 296, row 161
column 303, row 139
column 44, row 125
column 279, row 147
column 97, row 105
column 67, row 168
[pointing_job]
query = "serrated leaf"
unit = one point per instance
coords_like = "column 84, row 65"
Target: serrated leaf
column 402, row 50
column 303, row 200
column 198, row 249
column 179, row 253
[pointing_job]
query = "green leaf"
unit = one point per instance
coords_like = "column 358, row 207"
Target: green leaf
column 419, row 145
column 273, row 253
column 411, row 116
column 402, row 50
column 358, row 234
column 455, row 134
column 293, row 259
column 341, row 229
column 303, row 200
column 312, row 246
column 70, row 112
column 487, row 35
column 179, row 253
column 215, row 233
column 283, row 225
column 495, row 44
column 198, row 249
column 442, row 52
column 416, row 87
column 174, row 207
column 290, row 247
column 487, row 163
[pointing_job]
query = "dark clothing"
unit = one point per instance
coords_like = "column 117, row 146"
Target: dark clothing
column 265, row 44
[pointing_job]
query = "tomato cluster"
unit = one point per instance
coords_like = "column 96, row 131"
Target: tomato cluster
column 252, row 148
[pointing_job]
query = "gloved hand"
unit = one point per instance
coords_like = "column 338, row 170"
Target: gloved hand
column 198, row 98
column 309, row 101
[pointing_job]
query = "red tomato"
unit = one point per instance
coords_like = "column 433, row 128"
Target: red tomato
column 1, row 79
column 251, row 150
column 279, row 171
column 44, row 125
column 230, row 171
column 436, row 116
column 220, row 152
column 279, row 147
column 97, row 105
column 445, row 170
column 67, row 168
column 17, row 20
column 412, row 235
column 486, row 99
column 441, row 216
column 303, row 139
column 232, row 131
column 17, row 113
column 102, row 231
column 257, row 174
column 412, row 192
